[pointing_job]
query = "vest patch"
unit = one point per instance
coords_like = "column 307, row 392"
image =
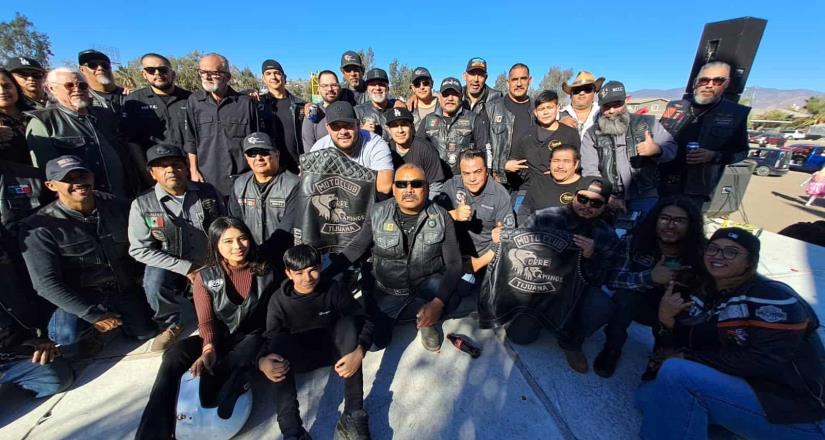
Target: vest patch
column 158, row 235
column 432, row 123
column 215, row 285
column 208, row 204
column 248, row 202
column 153, row 220
column 22, row 189
column 771, row 314
column 276, row 203
column 389, row 227
column 566, row 198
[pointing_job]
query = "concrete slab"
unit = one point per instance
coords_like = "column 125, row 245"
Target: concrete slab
column 20, row 412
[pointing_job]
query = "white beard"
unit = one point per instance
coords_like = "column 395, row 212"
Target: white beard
column 103, row 80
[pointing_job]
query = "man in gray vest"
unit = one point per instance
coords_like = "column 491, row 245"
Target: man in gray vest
column 626, row 150
column 263, row 197
column 167, row 233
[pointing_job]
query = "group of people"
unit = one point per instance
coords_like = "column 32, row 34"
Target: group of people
column 117, row 205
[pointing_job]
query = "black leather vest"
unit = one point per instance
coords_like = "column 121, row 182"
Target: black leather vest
column 501, row 135
column 235, row 316
column 263, row 213
column 645, row 172
column 451, row 138
column 368, row 111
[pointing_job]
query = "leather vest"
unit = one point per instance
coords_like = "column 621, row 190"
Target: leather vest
column 479, row 106
column 645, row 172
column 368, row 111
column 169, row 231
column 451, row 138
column 397, row 269
column 21, row 189
column 234, row 316
column 501, row 135
column 263, row 213
column 719, row 128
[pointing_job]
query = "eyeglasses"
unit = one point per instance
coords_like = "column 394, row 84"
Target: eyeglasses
column 415, row 184
column 584, row 200
column 95, row 64
column 676, row 221
column 329, row 86
column 717, row 81
column 29, row 74
column 728, row 253
column 422, row 83
column 80, row 85
column 210, row 73
column 255, row 153
column 163, row 70
column 590, row 88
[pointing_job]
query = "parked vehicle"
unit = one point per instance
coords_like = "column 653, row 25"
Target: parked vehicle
column 807, row 157
column 770, row 161
column 793, row 134
column 772, row 138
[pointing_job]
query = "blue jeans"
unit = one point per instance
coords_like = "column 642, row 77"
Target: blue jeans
column 688, row 396
column 43, row 380
column 163, row 288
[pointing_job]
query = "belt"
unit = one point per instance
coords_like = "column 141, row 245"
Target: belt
column 391, row 291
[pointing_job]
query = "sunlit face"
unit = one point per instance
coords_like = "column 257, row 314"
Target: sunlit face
column 377, row 91
column 263, row 162
column 343, row 134
column 274, row 79
column 329, row 88
column 583, row 203
column 401, row 131
column 581, row 97
column 518, row 83
column 161, row 77
column 474, row 81
column 546, row 113
column 214, row 74
column 450, row 101
column 170, row 173
column 8, row 92
column 234, row 246
column 75, row 188
column 305, row 280
column 473, row 174
column 563, row 165
column 422, row 88
column 31, row 81
column 710, row 83
column 410, row 198
column 70, row 90
column 672, row 225
column 725, row 258
column 97, row 72
column 352, row 75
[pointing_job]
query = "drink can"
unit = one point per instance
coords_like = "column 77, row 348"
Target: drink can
column 692, row 146
column 313, row 113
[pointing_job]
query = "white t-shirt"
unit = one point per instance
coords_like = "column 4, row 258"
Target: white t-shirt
column 371, row 152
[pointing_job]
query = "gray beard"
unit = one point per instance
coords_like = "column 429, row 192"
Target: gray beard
column 378, row 98
column 104, row 81
column 79, row 103
column 616, row 125
column 211, row 88
column 697, row 98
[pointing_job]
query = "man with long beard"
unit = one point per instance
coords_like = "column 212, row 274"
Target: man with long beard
column 626, row 149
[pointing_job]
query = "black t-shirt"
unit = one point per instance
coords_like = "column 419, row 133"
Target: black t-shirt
column 283, row 128
column 407, row 224
column 545, row 193
column 535, row 147
column 523, row 114
column 422, row 154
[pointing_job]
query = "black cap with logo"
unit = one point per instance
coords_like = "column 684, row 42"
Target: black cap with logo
column 350, row 58
column 59, row 167
column 162, row 151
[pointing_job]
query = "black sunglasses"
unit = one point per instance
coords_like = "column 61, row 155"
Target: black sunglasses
column 254, row 153
column 163, row 70
column 415, row 184
column 717, row 81
column 590, row 88
column 422, row 82
column 584, row 200
column 29, row 74
column 95, row 64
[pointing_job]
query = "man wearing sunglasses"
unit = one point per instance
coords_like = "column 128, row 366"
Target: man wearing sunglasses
column 422, row 102
column 626, row 149
column 107, row 97
column 29, row 75
column 416, row 260
column 583, row 108
column 67, row 128
column 716, row 123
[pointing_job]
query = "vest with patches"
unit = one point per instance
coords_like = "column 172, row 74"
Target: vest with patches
column 645, row 173
column 264, row 212
column 234, row 316
column 451, row 138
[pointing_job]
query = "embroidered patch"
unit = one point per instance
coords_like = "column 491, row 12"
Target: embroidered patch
column 248, row 202
column 389, row 227
column 432, row 123
column 215, row 285
column 21, row 189
column 498, row 119
column 738, row 336
column 153, row 220
column 276, row 203
column 771, row 314
column 158, row 235
column 208, row 204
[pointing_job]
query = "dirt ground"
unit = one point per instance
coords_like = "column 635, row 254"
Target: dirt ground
column 776, row 202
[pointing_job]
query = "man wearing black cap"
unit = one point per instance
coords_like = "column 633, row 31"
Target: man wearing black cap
column 364, row 147
column 510, row 118
column 107, row 97
column 217, row 120
column 454, row 129
column 407, row 148
column 77, row 254
column 371, row 114
column 584, row 218
column 167, row 233
column 282, row 114
column 423, row 102
column 314, row 126
column 29, row 75
column 353, row 70
column 263, row 197
column 626, row 149
column 477, row 93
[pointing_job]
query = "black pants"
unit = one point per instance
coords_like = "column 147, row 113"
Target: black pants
column 309, row 351
column 158, row 420
column 629, row 306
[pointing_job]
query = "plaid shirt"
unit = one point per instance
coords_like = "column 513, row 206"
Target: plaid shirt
column 626, row 274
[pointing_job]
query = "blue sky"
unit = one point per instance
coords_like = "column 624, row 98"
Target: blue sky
column 648, row 44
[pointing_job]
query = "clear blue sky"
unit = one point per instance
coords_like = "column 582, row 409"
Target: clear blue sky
column 647, row 44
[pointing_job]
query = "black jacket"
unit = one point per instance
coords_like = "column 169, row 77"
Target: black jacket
column 501, row 137
column 149, row 119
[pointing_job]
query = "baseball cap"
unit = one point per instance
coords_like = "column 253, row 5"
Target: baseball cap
column 90, row 55
column 23, row 63
column 257, row 141
column 421, row 72
column 271, row 64
column 450, row 83
column 161, row 151
column 350, row 58
column 741, row 237
column 612, row 91
column 376, row 74
column 398, row 114
column 476, row 63
column 341, row 111
column 59, row 167
column 597, row 185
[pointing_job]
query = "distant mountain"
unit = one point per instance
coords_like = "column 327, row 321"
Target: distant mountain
column 762, row 98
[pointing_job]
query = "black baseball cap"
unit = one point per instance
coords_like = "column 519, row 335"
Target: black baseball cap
column 612, row 91
column 376, row 74
column 597, row 185
column 350, row 58
column 59, row 167
column 421, row 72
column 257, row 141
column 341, row 111
column 398, row 114
column 14, row 64
column 161, row 151
column 450, row 83
column 476, row 63
column 741, row 237
column 271, row 64
column 91, row 55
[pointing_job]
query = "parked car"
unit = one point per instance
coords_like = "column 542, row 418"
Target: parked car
column 793, row 134
column 807, row 157
column 755, row 136
column 772, row 138
column 770, row 161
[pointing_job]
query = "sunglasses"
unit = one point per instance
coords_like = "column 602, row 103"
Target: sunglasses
column 80, row 86
column 210, row 73
column 415, row 184
column 422, row 82
column 717, row 81
column 163, row 70
column 255, row 153
column 728, row 253
column 584, row 200
column 590, row 88
column 30, row 74
column 95, row 64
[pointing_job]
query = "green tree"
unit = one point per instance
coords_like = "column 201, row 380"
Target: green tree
column 501, row 82
column 18, row 38
column 815, row 106
column 186, row 70
column 367, row 57
column 299, row 87
column 400, row 79
column 553, row 79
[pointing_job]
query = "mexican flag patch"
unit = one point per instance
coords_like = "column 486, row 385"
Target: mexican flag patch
column 154, row 220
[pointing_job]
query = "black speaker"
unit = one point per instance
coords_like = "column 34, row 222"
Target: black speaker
column 734, row 42
column 728, row 195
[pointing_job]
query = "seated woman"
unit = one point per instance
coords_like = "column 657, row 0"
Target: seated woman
column 750, row 357
column 231, row 296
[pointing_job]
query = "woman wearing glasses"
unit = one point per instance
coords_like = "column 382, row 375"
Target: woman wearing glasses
column 750, row 360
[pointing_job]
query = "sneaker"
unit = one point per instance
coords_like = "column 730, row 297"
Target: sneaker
column 431, row 337
column 577, row 361
column 165, row 340
column 605, row 363
column 297, row 434
column 353, row 426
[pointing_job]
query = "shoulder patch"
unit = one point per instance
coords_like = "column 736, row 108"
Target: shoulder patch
column 771, row 314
